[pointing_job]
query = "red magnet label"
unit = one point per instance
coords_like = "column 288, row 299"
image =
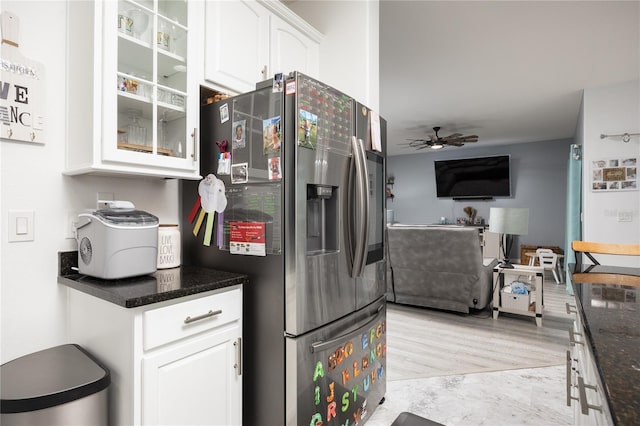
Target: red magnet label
column 247, row 238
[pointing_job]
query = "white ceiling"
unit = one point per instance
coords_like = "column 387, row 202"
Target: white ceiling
column 508, row 71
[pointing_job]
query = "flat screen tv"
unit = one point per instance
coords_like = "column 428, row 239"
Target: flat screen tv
column 479, row 177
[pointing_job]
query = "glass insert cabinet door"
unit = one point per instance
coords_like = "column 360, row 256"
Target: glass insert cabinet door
column 149, row 83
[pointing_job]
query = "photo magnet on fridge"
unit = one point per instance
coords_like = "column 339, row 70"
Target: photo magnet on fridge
column 240, row 173
column 275, row 172
column 271, row 135
column 278, row 82
column 307, row 129
column 238, row 139
column 224, row 113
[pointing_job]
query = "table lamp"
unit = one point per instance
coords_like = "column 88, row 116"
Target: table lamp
column 508, row 222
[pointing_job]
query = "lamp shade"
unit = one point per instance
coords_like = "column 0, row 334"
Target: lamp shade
column 512, row 221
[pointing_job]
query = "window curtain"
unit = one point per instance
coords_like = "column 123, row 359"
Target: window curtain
column 574, row 199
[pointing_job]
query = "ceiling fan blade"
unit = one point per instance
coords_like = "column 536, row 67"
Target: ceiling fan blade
column 454, row 140
column 463, row 139
column 452, row 136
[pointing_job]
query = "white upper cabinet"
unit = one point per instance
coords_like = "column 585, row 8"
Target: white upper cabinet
column 247, row 41
column 133, row 105
column 236, row 44
column 292, row 50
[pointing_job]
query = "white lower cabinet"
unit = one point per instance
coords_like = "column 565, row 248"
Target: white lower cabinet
column 584, row 388
column 175, row 363
column 186, row 385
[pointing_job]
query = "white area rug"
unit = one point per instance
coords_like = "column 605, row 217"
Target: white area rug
column 533, row 396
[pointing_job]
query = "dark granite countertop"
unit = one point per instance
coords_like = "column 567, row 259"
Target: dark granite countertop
column 164, row 284
column 609, row 303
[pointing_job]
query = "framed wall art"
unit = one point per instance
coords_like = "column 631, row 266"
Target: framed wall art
column 614, row 174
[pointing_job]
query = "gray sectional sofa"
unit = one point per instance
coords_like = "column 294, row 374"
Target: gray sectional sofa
column 438, row 267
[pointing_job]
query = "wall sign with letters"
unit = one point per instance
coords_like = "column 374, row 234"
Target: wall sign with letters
column 22, row 88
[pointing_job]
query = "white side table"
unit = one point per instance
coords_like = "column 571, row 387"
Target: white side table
column 532, row 276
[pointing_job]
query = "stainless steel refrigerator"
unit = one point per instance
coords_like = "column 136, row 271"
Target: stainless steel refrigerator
column 304, row 177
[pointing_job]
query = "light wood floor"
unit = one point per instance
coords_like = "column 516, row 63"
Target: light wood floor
column 428, row 343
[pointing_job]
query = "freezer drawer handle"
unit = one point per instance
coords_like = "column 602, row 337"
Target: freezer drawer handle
column 321, row 346
column 189, row 320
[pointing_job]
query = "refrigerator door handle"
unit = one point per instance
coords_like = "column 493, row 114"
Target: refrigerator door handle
column 328, row 344
column 360, row 200
column 351, row 233
column 366, row 196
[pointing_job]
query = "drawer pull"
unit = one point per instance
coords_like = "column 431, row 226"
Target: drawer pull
column 569, row 310
column 584, row 404
column 189, row 320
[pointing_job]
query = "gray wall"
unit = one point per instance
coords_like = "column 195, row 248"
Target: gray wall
column 538, row 181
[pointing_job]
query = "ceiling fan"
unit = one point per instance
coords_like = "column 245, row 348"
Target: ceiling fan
column 438, row 142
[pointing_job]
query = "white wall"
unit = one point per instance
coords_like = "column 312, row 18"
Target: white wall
column 349, row 59
column 611, row 110
column 32, row 303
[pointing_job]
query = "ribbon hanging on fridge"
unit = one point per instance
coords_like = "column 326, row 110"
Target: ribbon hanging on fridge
column 211, row 200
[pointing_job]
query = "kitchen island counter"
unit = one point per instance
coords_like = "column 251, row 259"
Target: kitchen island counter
column 163, row 285
column 608, row 300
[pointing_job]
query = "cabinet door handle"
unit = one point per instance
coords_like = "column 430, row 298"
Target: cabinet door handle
column 570, row 369
column 568, row 379
column 264, row 72
column 189, row 320
column 238, row 365
column 584, row 404
column 572, row 338
column 569, row 310
column 194, row 139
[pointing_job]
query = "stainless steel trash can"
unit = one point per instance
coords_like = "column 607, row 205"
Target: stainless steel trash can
column 63, row 385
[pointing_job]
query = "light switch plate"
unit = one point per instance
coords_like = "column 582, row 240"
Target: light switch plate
column 21, row 224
